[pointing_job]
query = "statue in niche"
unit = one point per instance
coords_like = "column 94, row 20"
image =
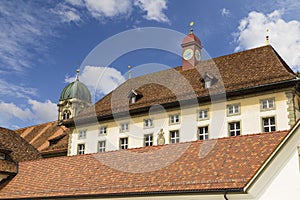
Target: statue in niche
column 160, row 137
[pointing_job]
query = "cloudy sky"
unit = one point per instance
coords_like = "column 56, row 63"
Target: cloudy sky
column 43, row 42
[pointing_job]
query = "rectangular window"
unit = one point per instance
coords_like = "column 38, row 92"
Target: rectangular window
column 101, row 146
column 174, row 119
column 269, row 124
column 203, row 114
column 234, row 128
column 148, row 140
column 124, row 127
column 82, row 134
column 174, row 136
column 123, row 143
column 267, row 104
column 148, row 123
column 233, row 109
column 80, row 149
column 102, row 130
column 203, row 133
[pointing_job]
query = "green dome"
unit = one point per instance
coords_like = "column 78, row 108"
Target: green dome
column 77, row 90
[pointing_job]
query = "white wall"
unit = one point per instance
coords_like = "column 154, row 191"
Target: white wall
column 250, row 118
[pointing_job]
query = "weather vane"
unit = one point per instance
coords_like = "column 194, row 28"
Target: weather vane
column 191, row 27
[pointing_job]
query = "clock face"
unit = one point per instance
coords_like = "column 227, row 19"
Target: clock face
column 197, row 55
column 188, row 54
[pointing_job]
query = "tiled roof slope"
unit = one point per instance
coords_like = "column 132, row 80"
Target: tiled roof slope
column 214, row 165
column 39, row 136
column 20, row 149
column 238, row 71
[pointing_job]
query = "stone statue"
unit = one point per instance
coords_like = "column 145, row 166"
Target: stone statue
column 160, row 137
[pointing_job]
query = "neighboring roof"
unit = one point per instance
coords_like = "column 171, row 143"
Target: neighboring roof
column 243, row 71
column 20, row 149
column 39, row 136
column 212, row 165
column 77, row 90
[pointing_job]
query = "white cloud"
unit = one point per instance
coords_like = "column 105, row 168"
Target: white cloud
column 154, row 9
column 225, row 12
column 100, row 80
column 75, row 2
column 67, row 13
column 17, row 91
column 284, row 35
column 35, row 112
column 108, row 8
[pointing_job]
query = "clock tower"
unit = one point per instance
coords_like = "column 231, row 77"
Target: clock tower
column 191, row 50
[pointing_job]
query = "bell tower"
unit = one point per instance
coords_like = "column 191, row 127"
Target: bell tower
column 191, row 50
column 74, row 98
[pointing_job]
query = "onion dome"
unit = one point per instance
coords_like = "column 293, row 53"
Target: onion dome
column 76, row 90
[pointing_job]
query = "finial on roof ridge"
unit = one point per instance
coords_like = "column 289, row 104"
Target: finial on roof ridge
column 191, row 27
column 267, row 37
column 77, row 74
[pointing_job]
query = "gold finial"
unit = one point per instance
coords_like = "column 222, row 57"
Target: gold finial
column 77, row 74
column 267, row 37
column 191, row 27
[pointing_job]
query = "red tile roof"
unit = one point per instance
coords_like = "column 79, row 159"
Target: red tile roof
column 39, row 136
column 218, row 164
column 239, row 71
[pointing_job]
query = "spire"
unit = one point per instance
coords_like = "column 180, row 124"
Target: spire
column 267, row 37
column 77, row 74
column 191, row 27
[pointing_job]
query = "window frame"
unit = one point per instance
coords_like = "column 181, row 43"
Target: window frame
column 204, row 135
column 80, row 150
column 123, row 144
column 202, row 118
column 102, row 128
column 124, row 130
column 80, row 137
column 174, row 122
column 235, row 129
column 269, row 126
column 268, row 104
column 176, row 138
column 233, row 106
column 151, row 123
column 101, row 148
column 2, row 156
column 148, row 141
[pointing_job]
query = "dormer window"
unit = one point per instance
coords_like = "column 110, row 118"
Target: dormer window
column 2, row 156
column 208, row 80
column 133, row 96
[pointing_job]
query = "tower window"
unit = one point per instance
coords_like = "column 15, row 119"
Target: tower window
column 234, row 128
column 80, row 149
column 66, row 114
column 269, row 124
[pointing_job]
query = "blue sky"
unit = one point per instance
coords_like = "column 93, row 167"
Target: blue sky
column 43, row 42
